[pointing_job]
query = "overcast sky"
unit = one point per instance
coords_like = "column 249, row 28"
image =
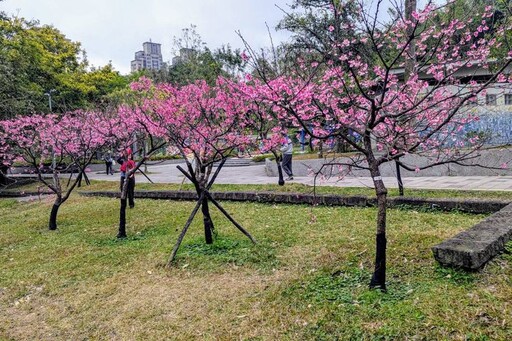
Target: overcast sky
column 113, row 30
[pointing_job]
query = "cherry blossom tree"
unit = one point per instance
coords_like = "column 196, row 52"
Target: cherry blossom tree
column 357, row 84
column 68, row 142
column 204, row 124
column 137, row 126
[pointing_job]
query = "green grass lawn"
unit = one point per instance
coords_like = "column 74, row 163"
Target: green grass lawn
column 306, row 278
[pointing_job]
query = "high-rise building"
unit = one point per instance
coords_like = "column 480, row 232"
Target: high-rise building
column 185, row 55
column 149, row 58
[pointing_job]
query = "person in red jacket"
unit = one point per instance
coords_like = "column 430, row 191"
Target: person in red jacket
column 127, row 164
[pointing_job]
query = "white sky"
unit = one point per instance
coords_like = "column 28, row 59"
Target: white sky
column 113, row 30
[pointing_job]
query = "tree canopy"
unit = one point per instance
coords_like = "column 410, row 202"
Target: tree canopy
column 39, row 64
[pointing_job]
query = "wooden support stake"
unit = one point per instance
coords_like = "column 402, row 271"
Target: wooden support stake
column 184, row 231
column 139, row 170
column 233, row 221
column 212, row 180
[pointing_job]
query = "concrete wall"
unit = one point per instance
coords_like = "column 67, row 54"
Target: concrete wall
column 491, row 158
column 464, row 205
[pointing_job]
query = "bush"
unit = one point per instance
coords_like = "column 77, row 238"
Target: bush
column 161, row 157
column 262, row 157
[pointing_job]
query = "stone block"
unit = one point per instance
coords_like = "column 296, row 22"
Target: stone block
column 460, row 253
column 472, row 248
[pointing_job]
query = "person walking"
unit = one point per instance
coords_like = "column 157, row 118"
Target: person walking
column 127, row 164
column 287, row 151
column 108, row 163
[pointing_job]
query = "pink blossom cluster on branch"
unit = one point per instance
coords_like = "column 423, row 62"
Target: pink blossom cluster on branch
column 27, row 138
column 260, row 116
column 207, row 121
column 75, row 135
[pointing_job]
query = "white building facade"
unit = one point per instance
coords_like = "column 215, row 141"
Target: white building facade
column 149, row 58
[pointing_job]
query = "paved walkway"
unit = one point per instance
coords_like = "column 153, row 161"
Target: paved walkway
column 168, row 173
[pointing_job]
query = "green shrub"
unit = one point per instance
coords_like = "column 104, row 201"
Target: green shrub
column 162, row 157
column 262, row 157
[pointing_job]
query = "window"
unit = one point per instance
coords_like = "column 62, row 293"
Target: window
column 490, row 99
column 508, row 99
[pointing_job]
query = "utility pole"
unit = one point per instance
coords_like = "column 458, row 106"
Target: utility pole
column 410, row 7
column 49, row 94
column 410, row 59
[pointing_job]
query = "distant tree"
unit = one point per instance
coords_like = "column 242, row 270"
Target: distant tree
column 194, row 66
column 33, row 57
column 91, row 88
column 311, row 37
column 37, row 61
column 232, row 61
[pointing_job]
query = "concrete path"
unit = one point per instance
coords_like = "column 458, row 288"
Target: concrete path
column 168, row 173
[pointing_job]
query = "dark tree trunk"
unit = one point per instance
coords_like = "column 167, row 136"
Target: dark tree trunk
column 399, row 179
column 201, row 186
column 280, row 172
column 208, row 223
column 52, row 225
column 122, row 219
column 122, row 209
column 79, row 180
column 378, row 280
column 4, row 180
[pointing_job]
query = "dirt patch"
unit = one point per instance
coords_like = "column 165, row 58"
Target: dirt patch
column 155, row 304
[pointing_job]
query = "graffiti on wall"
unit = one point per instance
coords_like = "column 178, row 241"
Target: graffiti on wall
column 495, row 124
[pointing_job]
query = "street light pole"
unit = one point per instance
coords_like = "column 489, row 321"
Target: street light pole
column 49, row 94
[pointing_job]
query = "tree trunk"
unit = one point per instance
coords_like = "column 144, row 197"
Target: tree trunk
column 79, row 180
column 399, row 179
column 122, row 209
column 378, row 280
column 52, row 225
column 207, row 219
column 208, row 223
column 122, row 219
column 280, row 182
column 4, row 180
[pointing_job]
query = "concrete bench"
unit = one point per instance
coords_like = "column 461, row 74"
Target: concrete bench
column 473, row 248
